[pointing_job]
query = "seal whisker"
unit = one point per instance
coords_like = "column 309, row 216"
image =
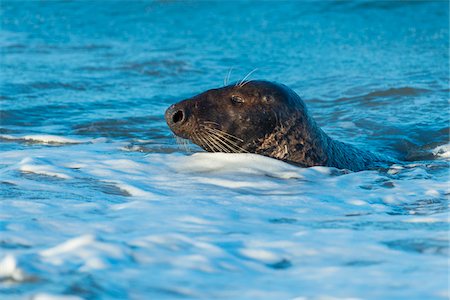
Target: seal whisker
column 219, row 147
column 210, row 122
column 196, row 139
column 230, row 148
column 235, row 148
column 226, row 148
column 212, row 143
column 214, row 137
column 226, row 133
column 216, row 144
column 205, row 141
column 242, row 82
column 217, row 129
column 239, row 149
column 226, row 80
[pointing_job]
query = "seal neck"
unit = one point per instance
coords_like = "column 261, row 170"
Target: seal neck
column 297, row 140
column 345, row 156
column 305, row 144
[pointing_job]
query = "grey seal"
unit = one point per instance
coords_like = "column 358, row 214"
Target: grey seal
column 265, row 118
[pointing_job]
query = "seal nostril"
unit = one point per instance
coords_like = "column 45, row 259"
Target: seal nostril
column 178, row 116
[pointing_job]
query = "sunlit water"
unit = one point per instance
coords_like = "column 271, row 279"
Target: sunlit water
column 99, row 202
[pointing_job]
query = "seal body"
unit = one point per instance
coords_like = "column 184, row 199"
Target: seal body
column 265, row 118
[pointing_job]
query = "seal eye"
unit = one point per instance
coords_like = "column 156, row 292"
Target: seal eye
column 237, row 99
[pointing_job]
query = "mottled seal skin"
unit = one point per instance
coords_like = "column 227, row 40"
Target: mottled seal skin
column 265, row 118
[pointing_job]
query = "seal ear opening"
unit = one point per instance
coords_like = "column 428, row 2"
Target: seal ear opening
column 268, row 98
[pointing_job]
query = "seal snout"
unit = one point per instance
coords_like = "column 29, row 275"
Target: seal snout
column 175, row 116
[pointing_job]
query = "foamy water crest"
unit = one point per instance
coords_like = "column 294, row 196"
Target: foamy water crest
column 106, row 218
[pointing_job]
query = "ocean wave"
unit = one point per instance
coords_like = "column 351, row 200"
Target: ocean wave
column 381, row 96
column 47, row 139
column 207, row 213
column 442, row 151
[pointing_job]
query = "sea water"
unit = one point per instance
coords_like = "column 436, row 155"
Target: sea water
column 98, row 201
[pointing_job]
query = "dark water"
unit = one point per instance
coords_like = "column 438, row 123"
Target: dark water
column 101, row 73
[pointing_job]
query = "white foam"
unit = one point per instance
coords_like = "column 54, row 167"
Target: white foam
column 236, row 216
column 69, row 246
column 357, row 202
column 235, row 162
column 261, row 255
column 133, row 190
column 9, row 269
column 31, row 165
column 423, row 220
column 45, row 139
column 92, row 253
column 442, row 151
column 46, row 296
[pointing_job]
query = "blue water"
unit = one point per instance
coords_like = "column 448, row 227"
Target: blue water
column 100, row 202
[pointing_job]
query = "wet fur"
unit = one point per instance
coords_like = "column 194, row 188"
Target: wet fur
column 289, row 143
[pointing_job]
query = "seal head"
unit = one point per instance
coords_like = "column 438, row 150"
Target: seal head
column 265, row 118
